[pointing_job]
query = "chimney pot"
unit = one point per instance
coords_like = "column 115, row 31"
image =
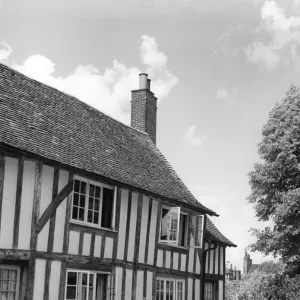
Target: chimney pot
column 143, row 81
column 148, row 84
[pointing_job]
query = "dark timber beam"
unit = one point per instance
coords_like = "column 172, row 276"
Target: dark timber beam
column 202, row 256
column 50, row 210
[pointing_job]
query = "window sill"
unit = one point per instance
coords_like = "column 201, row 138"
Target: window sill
column 175, row 248
column 90, row 228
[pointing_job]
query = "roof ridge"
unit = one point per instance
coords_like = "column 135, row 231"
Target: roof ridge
column 11, row 69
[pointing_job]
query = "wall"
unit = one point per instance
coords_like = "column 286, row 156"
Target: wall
column 27, row 187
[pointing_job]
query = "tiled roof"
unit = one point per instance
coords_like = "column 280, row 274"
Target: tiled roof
column 44, row 121
column 214, row 233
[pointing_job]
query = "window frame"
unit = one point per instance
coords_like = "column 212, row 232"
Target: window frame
column 101, row 185
column 18, row 269
column 175, row 243
column 175, row 281
column 195, row 226
column 214, row 287
column 112, row 279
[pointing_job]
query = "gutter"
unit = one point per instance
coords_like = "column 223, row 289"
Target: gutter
column 203, row 262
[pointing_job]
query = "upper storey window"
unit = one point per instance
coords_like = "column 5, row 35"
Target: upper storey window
column 93, row 203
column 173, row 226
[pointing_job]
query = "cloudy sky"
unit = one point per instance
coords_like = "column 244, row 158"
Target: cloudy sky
column 217, row 67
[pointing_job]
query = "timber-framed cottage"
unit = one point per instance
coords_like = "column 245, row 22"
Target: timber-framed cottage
column 89, row 207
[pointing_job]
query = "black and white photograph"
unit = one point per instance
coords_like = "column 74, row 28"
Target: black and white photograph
column 150, row 150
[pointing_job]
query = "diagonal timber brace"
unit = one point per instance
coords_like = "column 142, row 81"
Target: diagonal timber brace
column 50, row 210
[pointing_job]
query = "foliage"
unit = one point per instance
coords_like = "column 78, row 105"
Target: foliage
column 281, row 287
column 270, row 267
column 275, row 182
column 247, row 289
column 264, row 287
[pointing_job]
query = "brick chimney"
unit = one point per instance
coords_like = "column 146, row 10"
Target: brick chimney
column 144, row 107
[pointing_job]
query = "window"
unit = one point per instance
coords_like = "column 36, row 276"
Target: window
column 169, row 289
column 198, row 230
column 9, row 282
column 208, row 291
column 86, row 285
column 93, row 203
column 173, row 228
column 180, row 290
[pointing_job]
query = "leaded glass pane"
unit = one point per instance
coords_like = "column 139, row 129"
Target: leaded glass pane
column 8, row 283
column 76, row 185
column 90, row 216
column 71, row 292
column 72, row 278
column 82, row 187
column 11, row 295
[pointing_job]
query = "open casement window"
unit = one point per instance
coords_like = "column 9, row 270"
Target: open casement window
column 9, row 282
column 93, row 203
column 88, row 285
column 169, row 226
column 169, row 289
column 198, row 225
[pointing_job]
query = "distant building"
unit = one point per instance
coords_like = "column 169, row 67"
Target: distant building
column 247, row 263
column 232, row 274
column 267, row 267
column 248, row 266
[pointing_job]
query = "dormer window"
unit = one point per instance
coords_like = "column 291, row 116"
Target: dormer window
column 93, row 203
column 173, row 226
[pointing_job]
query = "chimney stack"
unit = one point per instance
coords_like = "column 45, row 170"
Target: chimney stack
column 144, row 107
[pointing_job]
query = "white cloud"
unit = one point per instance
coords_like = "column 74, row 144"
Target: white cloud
column 150, row 54
column 5, row 51
column 156, row 66
column 222, row 93
column 107, row 90
column 277, row 38
column 192, row 138
column 260, row 53
column 229, row 96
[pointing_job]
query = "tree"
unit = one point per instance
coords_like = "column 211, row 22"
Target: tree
column 281, row 287
column 249, row 288
column 256, row 286
column 275, row 182
column 270, row 267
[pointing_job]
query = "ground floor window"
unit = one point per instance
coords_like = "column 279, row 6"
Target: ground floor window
column 9, row 282
column 169, row 289
column 89, row 285
column 210, row 291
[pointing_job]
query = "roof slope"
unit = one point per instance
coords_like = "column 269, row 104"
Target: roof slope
column 216, row 234
column 42, row 120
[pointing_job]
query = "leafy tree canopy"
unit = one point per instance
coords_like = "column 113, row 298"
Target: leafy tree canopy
column 270, row 267
column 275, row 182
column 264, row 287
